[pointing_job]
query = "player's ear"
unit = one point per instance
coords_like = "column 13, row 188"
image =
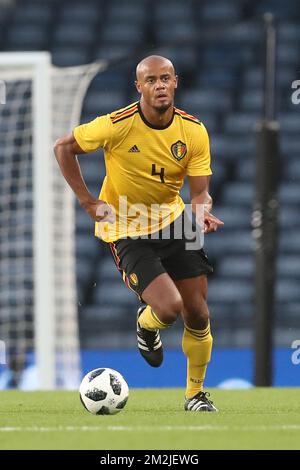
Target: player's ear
column 176, row 81
column 137, row 86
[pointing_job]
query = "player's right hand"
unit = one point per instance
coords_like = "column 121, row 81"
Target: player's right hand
column 100, row 211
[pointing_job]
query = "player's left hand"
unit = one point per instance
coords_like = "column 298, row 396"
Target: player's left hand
column 211, row 223
column 105, row 213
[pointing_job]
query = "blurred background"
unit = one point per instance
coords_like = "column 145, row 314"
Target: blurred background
column 217, row 49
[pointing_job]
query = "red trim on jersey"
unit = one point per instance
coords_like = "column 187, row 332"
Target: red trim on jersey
column 181, row 112
column 125, row 113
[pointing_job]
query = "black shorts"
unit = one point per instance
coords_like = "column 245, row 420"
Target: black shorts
column 141, row 260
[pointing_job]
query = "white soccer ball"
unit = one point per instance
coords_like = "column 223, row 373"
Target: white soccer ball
column 103, row 391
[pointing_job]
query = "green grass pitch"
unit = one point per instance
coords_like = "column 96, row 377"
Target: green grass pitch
column 152, row 419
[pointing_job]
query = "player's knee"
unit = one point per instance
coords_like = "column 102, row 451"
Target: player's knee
column 169, row 310
column 197, row 315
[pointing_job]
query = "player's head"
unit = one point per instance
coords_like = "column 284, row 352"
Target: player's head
column 156, row 81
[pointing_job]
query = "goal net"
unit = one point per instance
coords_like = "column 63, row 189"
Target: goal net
column 38, row 308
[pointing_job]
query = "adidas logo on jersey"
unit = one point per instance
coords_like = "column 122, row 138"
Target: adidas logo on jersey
column 134, row 149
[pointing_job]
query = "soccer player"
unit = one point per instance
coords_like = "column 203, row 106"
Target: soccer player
column 150, row 146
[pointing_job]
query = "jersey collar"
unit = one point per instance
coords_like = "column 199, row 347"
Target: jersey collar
column 152, row 125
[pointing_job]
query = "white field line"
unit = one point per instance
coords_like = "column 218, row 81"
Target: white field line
column 204, row 428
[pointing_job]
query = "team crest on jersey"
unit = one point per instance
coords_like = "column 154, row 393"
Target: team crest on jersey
column 133, row 279
column 179, row 150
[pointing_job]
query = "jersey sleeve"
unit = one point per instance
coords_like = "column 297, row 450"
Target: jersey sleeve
column 95, row 134
column 199, row 162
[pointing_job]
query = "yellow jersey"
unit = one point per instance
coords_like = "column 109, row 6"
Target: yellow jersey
column 145, row 167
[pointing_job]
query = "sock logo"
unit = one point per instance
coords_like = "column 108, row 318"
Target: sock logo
column 196, row 381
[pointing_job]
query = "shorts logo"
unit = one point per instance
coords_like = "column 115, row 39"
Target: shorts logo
column 179, row 150
column 133, row 279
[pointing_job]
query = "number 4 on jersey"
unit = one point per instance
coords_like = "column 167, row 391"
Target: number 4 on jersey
column 160, row 173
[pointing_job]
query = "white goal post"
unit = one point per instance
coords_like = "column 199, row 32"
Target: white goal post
column 38, row 319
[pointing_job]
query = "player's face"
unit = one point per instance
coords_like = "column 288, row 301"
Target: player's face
column 157, row 84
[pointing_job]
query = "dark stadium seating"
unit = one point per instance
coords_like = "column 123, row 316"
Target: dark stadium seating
column 68, row 56
column 22, row 36
column 174, row 13
column 217, row 50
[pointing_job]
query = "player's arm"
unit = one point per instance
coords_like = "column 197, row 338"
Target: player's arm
column 66, row 150
column 199, row 194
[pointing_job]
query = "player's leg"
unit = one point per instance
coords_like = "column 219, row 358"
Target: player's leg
column 143, row 273
column 189, row 269
column 164, row 305
column 197, row 340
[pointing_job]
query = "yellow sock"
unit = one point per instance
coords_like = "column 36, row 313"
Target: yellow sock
column 150, row 321
column 197, row 346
